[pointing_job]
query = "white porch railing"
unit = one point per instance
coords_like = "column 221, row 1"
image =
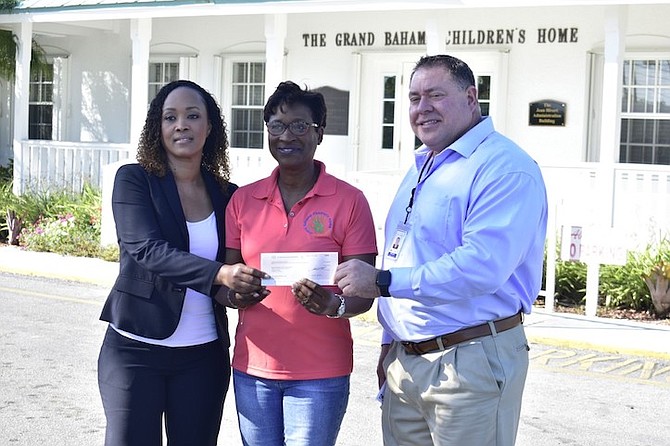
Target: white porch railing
column 49, row 165
column 249, row 165
column 632, row 198
column 635, row 198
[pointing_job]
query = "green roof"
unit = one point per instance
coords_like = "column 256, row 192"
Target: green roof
column 60, row 5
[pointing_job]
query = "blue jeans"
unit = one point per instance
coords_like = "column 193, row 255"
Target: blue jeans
column 275, row 412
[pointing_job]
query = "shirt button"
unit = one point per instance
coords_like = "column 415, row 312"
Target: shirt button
column 291, row 214
column 285, row 225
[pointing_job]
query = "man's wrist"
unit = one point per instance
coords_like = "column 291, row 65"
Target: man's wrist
column 383, row 281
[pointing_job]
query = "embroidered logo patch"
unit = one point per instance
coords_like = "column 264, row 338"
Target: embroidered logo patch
column 318, row 222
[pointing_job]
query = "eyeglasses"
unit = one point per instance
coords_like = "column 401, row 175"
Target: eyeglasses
column 298, row 128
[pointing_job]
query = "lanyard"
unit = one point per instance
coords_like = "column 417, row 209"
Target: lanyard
column 427, row 164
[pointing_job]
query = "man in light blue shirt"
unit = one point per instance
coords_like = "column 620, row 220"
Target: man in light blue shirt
column 462, row 262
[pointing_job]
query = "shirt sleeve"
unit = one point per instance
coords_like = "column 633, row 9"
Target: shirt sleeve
column 386, row 337
column 233, row 229
column 360, row 237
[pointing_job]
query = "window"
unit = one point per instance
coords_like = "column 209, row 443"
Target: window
column 40, row 104
column 388, row 114
column 484, row 93
column 248, row 100
column 161, row 73
column 645, row 112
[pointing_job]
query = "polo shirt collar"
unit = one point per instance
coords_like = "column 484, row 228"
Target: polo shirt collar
column 325, row 185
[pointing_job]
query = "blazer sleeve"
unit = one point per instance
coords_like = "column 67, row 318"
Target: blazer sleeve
column 151, row 230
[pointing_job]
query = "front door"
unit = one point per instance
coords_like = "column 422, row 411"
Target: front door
column 386, row 140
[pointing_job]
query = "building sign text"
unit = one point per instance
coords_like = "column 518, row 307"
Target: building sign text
column 546, row 112
column 479, row 37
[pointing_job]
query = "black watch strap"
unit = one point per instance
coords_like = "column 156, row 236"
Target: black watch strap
column 383, row 282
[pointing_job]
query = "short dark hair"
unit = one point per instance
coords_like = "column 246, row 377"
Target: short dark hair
column 151, row 153
column 459, row 70
column 289, row 93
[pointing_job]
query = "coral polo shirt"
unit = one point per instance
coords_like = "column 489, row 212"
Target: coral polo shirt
column 277, row 338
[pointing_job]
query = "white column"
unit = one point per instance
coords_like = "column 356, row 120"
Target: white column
column 21, row 91
column 615, row 43
column 275, row 36
column 550, row 278
column 140, row 34
column 433, row 44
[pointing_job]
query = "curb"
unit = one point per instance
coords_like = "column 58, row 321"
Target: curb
column 580, row 345
column 15, row 260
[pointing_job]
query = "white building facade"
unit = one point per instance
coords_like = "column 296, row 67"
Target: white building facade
column 583, row 86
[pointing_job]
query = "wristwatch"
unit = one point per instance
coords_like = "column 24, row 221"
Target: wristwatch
column 340, row 310
column 383, row 282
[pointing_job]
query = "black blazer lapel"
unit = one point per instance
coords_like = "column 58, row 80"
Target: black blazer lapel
column 169, row 188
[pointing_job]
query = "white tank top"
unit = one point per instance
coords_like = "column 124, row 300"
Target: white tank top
column 196, row 324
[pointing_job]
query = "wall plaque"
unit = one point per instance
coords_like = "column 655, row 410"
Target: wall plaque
column 337, row 115
column 546, row 112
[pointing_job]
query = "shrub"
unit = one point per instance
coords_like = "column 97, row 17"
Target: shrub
column 66, row 224
column 570, row 283
column 15, row 210
column 110, row 253
column 570, row 287
column 5, row 197
column 655, row 268
column 642, row 284
column 622, row 286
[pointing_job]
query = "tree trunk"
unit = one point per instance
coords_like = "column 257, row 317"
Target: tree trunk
column 659, row 288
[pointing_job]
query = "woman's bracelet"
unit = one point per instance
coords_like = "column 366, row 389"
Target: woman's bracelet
column 230, row 300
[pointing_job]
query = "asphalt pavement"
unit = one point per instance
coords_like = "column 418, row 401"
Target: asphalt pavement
column 542, row 326
column 592, row 381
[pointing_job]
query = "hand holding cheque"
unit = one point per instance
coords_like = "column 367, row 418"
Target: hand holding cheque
column 357, row 278
column 304, row 272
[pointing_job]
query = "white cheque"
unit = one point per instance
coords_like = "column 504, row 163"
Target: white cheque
column 286, row 268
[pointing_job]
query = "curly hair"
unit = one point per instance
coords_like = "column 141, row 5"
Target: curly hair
column 151, row 154
column 289, row 93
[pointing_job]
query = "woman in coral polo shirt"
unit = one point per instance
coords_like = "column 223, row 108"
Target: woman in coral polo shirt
column 293, row 349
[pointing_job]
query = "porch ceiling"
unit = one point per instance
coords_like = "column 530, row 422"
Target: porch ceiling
column 41, row 6
column 87, row 12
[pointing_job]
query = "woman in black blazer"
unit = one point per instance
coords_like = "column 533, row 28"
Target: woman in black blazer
column 165, row 353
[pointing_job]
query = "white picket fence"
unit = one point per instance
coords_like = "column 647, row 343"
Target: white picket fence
column 635, row 197
column 629, row 200
column 57, row 165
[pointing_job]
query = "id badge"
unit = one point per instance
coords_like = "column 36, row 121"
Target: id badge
column 398, row 240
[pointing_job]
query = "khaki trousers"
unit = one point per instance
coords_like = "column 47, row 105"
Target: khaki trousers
column 466, row 395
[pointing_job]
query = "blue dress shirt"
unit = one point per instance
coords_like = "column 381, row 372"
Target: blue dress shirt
column 475, row 237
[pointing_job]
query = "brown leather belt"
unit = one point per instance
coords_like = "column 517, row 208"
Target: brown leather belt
column 466, row 334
